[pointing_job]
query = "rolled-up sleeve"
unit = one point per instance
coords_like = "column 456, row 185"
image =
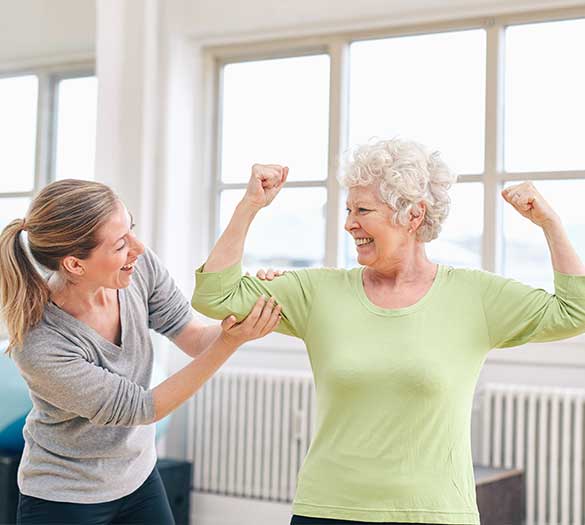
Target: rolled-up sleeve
column 62, row 377
column 169, row 310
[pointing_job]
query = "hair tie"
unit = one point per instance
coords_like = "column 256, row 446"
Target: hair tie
column 23, row 225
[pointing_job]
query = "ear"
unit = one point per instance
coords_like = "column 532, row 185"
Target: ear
column 73, row 266
column 417, row 219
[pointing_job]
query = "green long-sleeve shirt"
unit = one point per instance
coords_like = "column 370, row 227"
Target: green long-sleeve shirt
column 395, row 386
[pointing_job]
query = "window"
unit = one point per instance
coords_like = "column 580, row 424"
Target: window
column 545, row 107
column 18, row 129
column 277, row 111
column 76, row 128
column 48, row 130
column 544, row 137
column 502, row 99
column 430, row 88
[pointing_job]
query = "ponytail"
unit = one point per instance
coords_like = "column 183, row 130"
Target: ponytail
column 23, row 290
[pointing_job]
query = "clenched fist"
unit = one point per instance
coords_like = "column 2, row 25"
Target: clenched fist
column 529, row 203
column 265, row 183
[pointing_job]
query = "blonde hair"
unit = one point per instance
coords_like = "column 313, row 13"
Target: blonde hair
column 406, row 174
column 63, row 219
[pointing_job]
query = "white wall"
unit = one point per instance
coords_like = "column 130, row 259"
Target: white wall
column 229, row 18
column 40, row 29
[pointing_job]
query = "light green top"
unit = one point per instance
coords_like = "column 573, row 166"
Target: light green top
column 395, row 387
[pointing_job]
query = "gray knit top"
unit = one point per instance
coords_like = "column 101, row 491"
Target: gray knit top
column 89, row 437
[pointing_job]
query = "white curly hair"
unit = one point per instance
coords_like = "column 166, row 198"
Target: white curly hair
column 406, row 174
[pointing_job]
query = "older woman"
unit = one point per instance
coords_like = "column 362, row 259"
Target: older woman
column 81, row 341
column 396, row 345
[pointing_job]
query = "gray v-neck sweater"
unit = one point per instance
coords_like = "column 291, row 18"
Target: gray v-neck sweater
column 89, row 437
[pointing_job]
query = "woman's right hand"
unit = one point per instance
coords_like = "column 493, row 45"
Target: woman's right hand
column 262, row 319
column 264, row 184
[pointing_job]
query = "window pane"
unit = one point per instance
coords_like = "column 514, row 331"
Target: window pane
column 430, row 88
column 18, row 128
column 290, row 233
column 76, row 128
column 12, row 208
column 276, row 111
column 526, row 255
column 459, row 243
column 545, row 107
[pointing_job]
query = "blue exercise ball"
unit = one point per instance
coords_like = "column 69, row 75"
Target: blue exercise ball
column 16, row 403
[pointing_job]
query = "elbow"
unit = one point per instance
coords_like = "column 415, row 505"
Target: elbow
column 157, row 418
column 107, row 422
column 573, row 320
column 209, row 306
column 138, row 411
column 124, row 421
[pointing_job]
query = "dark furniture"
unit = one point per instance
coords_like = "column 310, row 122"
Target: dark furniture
column 8, row 487
column 500, row 496
column 176, row 477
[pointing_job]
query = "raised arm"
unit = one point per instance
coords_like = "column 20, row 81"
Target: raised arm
column 517, row 313
column 221, row 289
column 264, row 184
column 527, row 201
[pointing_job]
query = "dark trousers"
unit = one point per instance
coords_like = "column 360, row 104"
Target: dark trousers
column 306, row 520
column 147, row 505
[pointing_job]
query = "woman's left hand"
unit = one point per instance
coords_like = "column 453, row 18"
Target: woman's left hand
column 529, row 203
column 262, row 319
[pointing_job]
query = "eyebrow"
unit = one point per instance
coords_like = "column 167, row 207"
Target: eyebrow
column 360, row 204
column 131, row 223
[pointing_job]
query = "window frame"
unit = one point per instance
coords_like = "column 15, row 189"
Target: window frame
column 337, row 45
column 48, row 77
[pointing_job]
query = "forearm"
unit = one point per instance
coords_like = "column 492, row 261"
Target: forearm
column 563, row 255
column 229, row 248
column 174, row 391
column 196, row 337
column 208, row 336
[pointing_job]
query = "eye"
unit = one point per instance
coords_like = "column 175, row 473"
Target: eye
column 363, row 210
column 121, row 247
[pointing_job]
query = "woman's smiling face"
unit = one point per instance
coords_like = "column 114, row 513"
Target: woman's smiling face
column 111, row 263
column 369, row 221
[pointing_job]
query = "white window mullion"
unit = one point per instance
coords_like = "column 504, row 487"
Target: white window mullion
column 46, row 129
column 494, row 141
column 214, row 120
column 289, row 184
column 542, row 175
column 16, row 194
column 338, row 131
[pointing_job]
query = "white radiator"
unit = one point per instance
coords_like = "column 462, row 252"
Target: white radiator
column 540, row 430
column 249, row 431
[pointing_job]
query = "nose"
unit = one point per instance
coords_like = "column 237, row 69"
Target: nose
column 136, row 246
column 350, row 223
